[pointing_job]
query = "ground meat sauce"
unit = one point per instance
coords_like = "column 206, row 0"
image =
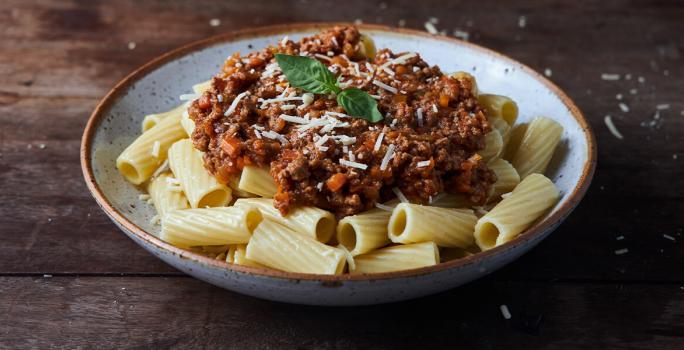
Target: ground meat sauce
column 308, row 172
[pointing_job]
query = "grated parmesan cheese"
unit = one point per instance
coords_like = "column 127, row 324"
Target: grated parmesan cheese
column 419, row 116
column 164, row 167
column 378, row 142
column 611, row 127
column 431, row 28
column 188, row 97
column 293, row 119
column 621, row 251
column 505, row 312
column 323, row 57
column 235, row 102
column 388, row 156
column 320, row 186
column 384, row 207
column 400, row 195
column 607, row 76
column 423, row 164
column 353, row 164
column 385, row 86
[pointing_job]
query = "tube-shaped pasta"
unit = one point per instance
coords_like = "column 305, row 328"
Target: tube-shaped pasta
column 311, row 221
column 506, row 178
column 257, row 180
column 237, row 254
column 504, row 129
column 364, row 232
column 450, row 200
column 151, row 120
column 201, row 188
column 398, row 257
column 514, row 139
column 281, row 248
column 142, row 157
column 210, row 226
column 164, row 198
column 187, row 123
column 412, row 223
column 499, row 106
column 493, row 145
column 537, row 146
column 200, row 88
column 234, row 184
column 515, row 213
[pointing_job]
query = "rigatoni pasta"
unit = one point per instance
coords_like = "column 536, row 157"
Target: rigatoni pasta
column 201, row 188
column 151, row 120
column 447, row 227
column 237, row 254
column 516, row 212
column 141, row 158
column 316, row 223
column 258, row 181
column 281, row 248
column 537, row 146
column 398, row 257
column 499, row 106
column 165, row 196
column 506, row 178
column 364, row 232
column 210, row 226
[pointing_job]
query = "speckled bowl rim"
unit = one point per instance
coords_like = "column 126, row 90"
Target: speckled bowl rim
column 531, row 234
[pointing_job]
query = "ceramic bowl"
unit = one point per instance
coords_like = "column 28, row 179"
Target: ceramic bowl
column 156, row 86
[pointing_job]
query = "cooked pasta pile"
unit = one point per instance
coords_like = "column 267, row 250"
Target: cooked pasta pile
column 236, row 220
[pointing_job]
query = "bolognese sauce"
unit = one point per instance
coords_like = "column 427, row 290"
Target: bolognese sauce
column 427, row 143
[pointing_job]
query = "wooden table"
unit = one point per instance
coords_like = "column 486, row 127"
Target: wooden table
column 69, row 278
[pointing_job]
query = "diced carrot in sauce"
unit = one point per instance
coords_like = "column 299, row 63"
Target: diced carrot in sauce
column 204, row 102
column 443, row 100
column 400, row 69
column 241, row 163
column 399, row 98
column 335, row 182
column 289, row 154
column 255, row 62
column 231, row 145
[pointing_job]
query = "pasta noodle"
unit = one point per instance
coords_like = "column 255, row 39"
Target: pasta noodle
column 399, row 257
column 506, row 178
column 234, row 184
column 499, row 106
column 279, row 247
column 187, row 123
column 200, row 88
column 412, row 223
column 201, row 188
column 364, row 232
column 537, row 146
column 138, row 161
column 237, row 254
column 210, row 226
column 515, row 137
column 504, row 129
column 493, row 145
column 258, row 181
column 515, row 213
column 151, row 120
column 314, row 222
column 164, row 198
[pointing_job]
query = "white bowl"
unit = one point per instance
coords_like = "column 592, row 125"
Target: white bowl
column 156, row 86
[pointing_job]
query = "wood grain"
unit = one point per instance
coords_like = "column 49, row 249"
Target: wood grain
column 58, row 58
column 180, row 312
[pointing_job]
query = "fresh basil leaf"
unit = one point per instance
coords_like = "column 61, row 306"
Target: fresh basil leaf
column 307, row 73
column 359, row 103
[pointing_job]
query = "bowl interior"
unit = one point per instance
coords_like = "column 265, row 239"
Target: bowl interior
column 159, row 88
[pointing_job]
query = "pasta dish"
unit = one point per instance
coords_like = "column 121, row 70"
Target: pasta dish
column 327, row 156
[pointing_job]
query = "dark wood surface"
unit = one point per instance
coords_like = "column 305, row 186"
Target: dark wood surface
column 58, row 58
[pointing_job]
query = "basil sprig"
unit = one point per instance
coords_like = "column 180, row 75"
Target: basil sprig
column 313, row 76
